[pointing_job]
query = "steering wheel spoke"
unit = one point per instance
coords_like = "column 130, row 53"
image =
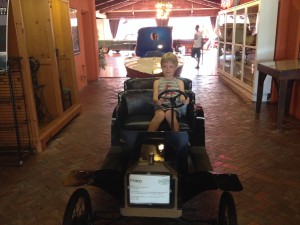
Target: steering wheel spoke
column 172, row 99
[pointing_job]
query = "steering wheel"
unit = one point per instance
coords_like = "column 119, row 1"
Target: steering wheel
column 173, row 98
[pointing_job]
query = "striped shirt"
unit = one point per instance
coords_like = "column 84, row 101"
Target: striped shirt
column 197, row 39
column 164, row 84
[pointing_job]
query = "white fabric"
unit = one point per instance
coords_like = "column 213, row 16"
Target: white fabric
column 197, row 39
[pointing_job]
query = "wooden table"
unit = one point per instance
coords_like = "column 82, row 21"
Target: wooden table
column 285, row 72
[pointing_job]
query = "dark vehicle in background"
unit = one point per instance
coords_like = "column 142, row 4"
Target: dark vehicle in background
column 127, row 44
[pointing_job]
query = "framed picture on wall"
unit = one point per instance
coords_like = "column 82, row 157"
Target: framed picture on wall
column 74, row 30
column 3, row 34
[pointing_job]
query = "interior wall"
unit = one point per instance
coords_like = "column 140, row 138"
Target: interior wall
column 288, row 45
column 86, row 60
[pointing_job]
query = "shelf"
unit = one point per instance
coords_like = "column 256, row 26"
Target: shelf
column 14, row 127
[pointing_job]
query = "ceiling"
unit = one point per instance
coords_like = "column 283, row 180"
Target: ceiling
column 116, row 9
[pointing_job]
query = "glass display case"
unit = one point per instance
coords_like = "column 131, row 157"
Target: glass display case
column 246, row 36
column 237, row 43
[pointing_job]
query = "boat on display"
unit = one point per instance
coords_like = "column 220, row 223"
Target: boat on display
column 148, row 67
column 152, row 43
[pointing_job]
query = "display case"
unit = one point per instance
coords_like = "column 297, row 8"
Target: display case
column 46, row 36
column 244, row 40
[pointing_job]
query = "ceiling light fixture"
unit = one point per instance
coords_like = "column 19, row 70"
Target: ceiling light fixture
column 163, row 9
column 226, row 4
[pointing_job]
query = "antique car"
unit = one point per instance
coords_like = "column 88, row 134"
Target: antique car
column 127, row 44
column 152, row 174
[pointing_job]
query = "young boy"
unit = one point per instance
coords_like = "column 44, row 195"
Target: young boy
column 169, row 64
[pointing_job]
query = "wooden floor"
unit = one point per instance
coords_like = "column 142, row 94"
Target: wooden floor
column 237, row 141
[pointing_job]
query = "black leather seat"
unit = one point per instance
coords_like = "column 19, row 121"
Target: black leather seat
column 147, row 83
column 135, row 110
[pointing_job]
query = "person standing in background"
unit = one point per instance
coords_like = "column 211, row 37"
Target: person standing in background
column 197, row 45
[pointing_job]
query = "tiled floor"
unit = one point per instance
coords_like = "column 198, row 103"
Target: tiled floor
column 237, row 141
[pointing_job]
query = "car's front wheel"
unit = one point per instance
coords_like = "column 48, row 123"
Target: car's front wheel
column 79, row 209
column 227, row 210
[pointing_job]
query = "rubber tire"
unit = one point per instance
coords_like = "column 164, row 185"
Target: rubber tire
column 79, row 209
column 227, row 210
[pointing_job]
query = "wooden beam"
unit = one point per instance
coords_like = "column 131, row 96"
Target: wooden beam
column 117, row 4
column 206, row 3
column 143, row 14
column 49, row 131
column 115, row 9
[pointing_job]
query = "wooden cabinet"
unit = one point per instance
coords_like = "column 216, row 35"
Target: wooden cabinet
column 246, row 36
column 41, row 29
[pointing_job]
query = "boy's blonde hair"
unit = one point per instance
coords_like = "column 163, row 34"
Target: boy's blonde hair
column 169, row 57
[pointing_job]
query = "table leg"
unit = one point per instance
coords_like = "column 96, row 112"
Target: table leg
column 288, row 96
column 260, row 89
column 281, row 103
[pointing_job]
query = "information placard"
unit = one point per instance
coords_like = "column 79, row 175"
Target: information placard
column 149, row 189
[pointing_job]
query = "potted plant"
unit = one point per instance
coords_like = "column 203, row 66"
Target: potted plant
column 102, row 60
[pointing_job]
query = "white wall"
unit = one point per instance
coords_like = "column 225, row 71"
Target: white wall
column 266, row 37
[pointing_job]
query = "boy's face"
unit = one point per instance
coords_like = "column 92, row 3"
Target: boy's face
column 168, row 69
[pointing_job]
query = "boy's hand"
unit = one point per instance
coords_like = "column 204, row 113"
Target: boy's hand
column 186, row 101
column 159, row 102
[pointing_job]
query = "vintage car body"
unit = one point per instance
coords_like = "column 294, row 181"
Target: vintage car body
column 148, row 181
column 116, row 45
column 152, row 43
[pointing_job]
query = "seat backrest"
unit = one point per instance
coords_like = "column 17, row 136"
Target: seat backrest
column 137, row 102
column 147, row 83
column 140, row 102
